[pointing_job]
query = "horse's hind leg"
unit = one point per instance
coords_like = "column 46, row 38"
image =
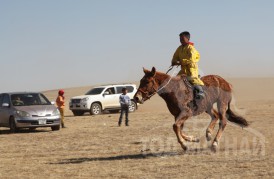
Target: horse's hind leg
column 214, row 118
column 222, row 108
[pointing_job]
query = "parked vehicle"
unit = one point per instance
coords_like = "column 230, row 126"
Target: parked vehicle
column 27, row 110
column 102, row 98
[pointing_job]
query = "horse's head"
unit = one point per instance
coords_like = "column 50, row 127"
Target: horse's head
column 148, row 86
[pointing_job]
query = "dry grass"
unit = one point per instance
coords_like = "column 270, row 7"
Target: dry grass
column 94, row 147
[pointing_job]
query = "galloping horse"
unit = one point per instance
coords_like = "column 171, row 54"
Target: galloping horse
column 178, row 95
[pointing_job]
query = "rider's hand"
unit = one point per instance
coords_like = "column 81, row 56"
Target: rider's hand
column 175, row 63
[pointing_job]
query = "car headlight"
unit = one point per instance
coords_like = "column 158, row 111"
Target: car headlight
column 56, row 112
column 22, row 114
column 84, row 100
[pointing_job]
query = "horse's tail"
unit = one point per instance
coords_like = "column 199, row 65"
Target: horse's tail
column 232, row 117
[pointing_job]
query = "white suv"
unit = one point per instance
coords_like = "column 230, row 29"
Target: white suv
column 102, row 98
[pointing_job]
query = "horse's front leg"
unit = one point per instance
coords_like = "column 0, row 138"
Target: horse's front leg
column 187, row 137
column 177, row 129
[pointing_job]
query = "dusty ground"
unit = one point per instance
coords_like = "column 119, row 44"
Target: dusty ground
column 94, row 147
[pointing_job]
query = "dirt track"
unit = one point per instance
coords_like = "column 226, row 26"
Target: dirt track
column 94, row 147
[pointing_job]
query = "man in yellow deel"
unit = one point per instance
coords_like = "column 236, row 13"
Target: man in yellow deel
column 187, row 56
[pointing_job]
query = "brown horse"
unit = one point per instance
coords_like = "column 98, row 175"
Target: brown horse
column 178, row 94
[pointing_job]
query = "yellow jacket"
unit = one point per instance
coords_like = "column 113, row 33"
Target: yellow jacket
column 188, row 57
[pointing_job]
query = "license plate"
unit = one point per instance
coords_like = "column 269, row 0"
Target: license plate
column 42, row 121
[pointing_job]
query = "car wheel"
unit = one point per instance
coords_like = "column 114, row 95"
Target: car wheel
column 95, row 109
column 78, row 113
column 13, row 128
column 55, row 128
column 132, row 106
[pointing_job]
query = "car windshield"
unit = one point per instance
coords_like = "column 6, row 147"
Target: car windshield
column 95, row 91
column 28, row 99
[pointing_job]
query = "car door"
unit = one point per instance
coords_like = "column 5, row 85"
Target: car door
column 117, row 97
column 5, row 110
column 109, row 97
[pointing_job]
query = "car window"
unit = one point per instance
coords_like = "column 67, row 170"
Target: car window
column 1, row 99
column 6, row 99
column 119, row 89
column 110, row 90
column 95, row 91
column 28, row 99
column 43, row 100
column 130, row 89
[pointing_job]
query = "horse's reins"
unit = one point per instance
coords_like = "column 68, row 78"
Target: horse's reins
column 155, row 90
column 170, row 68
column 145, row 92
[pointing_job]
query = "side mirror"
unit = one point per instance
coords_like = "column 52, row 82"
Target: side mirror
column 5, row 105
column 52, row 102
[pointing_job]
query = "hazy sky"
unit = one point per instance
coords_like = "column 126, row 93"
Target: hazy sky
column 51, row 44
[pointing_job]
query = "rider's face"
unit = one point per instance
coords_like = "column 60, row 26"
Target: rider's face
column 184, row 40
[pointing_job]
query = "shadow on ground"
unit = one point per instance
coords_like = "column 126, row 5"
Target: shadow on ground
column 22, row 131
column 131, row 157
column 104, row 113
column 119, row 157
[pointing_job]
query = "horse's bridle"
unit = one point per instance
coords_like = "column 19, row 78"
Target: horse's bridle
column 148, row 96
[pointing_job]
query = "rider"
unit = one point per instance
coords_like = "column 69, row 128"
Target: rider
column 187, row 56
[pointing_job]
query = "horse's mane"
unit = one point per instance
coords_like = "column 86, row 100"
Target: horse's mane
column 164, row 75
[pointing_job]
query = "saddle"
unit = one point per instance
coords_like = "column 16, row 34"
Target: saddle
column 191, row 89
column 189, row 86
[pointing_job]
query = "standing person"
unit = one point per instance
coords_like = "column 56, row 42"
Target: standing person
column 124, row 102
column 60, row 102
column 187, row 56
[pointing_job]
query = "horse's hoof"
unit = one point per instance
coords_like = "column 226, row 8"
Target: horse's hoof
column 184, row 148
column 214, row 146
column 208, row 137
column 196, row 140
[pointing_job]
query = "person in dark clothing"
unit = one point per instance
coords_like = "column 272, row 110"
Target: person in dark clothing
column 124, row 102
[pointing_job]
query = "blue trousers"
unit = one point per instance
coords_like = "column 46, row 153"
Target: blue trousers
column 124, row 110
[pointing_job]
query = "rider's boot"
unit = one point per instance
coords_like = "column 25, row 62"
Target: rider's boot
column 199, row 92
